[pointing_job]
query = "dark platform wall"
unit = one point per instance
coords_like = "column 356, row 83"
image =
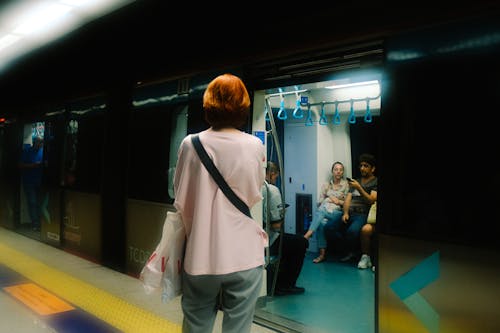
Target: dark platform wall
column 150, row 40
column 438, row 180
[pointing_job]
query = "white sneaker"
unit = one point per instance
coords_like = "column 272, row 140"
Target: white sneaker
column 365, row 262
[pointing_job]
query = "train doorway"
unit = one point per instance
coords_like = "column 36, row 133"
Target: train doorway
column 317, row 124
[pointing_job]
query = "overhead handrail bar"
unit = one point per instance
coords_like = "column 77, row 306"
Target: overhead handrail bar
column 285, row 93
column 324, row 102
column 345, row 100
column 297, row 112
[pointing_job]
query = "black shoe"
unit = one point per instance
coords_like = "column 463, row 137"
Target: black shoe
column 36, row 228
column 297, row 290
column 289, row 291
column 280, row 292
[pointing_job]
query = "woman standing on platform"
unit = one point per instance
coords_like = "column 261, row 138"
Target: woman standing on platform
column 224, row 247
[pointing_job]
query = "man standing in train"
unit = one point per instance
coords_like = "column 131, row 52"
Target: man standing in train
column 31, row 177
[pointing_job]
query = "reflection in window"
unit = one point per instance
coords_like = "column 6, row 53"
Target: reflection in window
column 149, row 153
column 83, row 153
column 71, row 144
column 178, row 132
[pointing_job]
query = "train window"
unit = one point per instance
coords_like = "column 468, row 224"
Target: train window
column 53, row 134
column 160, row 128
column 178, row 131
column 31, row 133
column 71, row 149
column 150, row 153
column 83, row 153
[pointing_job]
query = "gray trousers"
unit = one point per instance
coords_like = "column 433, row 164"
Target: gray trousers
column 200, row 300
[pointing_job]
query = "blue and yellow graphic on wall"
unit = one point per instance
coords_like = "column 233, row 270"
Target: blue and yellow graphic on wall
column 407, row 288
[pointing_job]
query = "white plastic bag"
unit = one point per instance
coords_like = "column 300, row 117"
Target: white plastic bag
column 164, row 267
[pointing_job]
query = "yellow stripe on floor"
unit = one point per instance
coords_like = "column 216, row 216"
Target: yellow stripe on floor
column 115, row 311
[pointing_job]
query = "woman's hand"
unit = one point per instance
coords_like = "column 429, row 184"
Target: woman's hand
column 335, row 200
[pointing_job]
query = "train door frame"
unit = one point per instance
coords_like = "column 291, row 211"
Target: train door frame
column 258, row 126
column 81, row 177
column 9, row 173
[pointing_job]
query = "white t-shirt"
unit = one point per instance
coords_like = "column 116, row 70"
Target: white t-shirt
column 275, row 212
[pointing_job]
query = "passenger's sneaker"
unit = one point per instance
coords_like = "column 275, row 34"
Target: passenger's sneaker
column 347, row 257
column 365, row 262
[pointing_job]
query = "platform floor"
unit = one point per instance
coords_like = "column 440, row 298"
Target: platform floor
column 45, row 289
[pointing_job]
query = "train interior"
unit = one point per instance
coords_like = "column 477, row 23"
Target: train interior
column 317, row 124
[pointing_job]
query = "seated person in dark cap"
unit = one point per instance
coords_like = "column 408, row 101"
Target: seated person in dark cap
column 294, row 246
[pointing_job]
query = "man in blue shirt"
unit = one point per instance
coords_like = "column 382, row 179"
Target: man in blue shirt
column 31, row 176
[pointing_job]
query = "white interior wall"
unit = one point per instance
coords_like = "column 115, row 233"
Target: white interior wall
column 334, row 144
column 300, row 159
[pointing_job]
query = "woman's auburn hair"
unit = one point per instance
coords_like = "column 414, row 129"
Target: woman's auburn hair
column 226, row 102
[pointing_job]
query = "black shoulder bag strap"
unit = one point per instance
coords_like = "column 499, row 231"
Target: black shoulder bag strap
column 209, row 164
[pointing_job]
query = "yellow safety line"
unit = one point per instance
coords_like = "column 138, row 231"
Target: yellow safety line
column 115, row 311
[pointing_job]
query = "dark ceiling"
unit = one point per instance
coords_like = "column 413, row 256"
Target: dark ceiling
column 154, row 39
